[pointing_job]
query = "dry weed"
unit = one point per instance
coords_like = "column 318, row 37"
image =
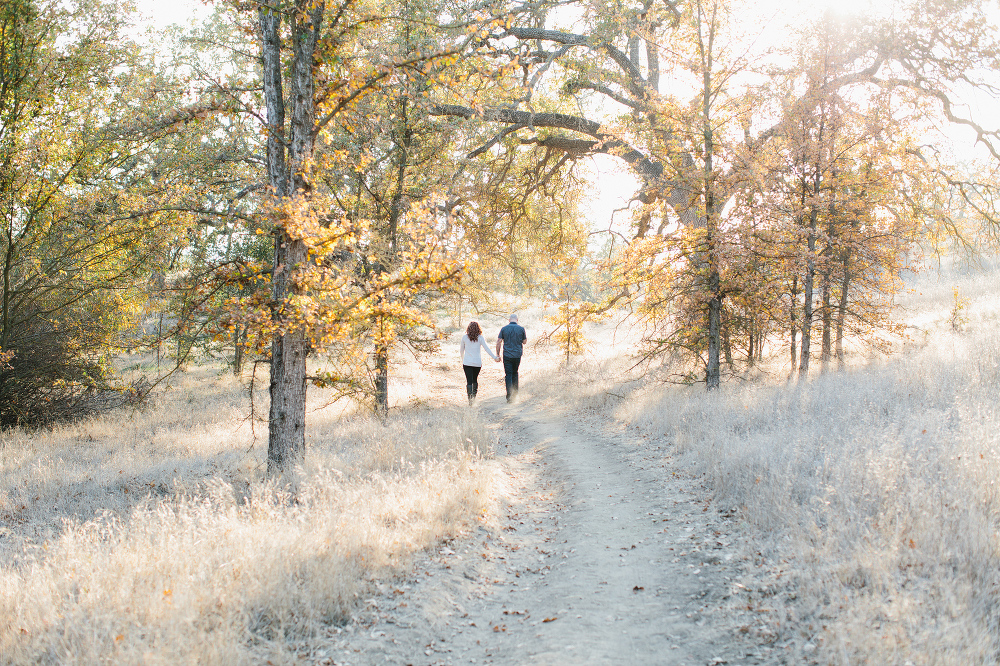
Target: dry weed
column 868, row 496
column 153, row 538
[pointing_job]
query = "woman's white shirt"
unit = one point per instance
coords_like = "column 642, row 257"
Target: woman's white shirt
column 470, row 351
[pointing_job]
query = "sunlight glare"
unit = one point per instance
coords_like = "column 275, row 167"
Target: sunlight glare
column 845, row 8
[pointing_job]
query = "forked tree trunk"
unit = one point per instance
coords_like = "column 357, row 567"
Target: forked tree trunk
column 287, row 160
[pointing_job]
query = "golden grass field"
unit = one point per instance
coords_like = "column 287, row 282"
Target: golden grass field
column 866, row 501
column 151, row 537
column 868, row 497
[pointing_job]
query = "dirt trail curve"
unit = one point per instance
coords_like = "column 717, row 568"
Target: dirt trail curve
column 606, row 557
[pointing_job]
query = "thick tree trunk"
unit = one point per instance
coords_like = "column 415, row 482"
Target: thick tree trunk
column 287, row 418
column 288, row 179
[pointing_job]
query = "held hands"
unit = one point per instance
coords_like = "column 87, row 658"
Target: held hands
column 496, row 360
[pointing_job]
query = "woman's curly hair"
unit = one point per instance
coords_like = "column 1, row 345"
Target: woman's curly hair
column 473, row 331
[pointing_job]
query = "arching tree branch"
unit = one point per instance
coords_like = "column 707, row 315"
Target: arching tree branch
column 605, row 143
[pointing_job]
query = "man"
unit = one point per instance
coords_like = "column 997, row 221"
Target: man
column 511, row 338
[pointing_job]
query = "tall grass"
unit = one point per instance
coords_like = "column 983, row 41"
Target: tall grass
column 154, row 538
column 869, row 496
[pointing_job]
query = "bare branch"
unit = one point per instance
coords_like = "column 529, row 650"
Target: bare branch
column 492, row 142
column 576, row 86
column 639, row 85
column 605, row 143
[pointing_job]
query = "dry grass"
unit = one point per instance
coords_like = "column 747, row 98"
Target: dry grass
column 152, row 537
column 869, row 497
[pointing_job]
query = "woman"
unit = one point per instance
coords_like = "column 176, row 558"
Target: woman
column 472, row 360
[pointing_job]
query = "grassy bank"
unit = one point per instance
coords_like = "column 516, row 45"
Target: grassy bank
column 153, row 537
column 868, row 497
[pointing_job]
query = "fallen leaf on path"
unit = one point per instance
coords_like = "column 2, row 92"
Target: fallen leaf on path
column 638, row 588
column 550, row 619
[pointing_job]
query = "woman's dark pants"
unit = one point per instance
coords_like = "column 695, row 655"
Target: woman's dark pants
column 471, row 380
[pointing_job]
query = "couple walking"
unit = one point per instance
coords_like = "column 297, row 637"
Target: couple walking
column 511, row 340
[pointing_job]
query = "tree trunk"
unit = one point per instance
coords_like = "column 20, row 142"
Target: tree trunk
column 727, row 346
column 712, row 369
column 793, row 325
column 845, row 284
column 807, row 310
column 239, row 337
column 159, row 341
column 287, row 418
column 828, row 253
column 390, row 236
column 808, row 284
column 288, row 180
column 569, row 328
column 827, row 321
column 713, row 375
column 381, row 376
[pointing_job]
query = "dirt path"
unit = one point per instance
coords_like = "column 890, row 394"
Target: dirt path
column 607, row 556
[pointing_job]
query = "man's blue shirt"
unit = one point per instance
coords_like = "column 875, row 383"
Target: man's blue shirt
column 513, row 335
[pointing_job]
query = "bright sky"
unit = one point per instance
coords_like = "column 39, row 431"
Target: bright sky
column 162, row 13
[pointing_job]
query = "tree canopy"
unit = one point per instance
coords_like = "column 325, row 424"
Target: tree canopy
column 310, row 182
